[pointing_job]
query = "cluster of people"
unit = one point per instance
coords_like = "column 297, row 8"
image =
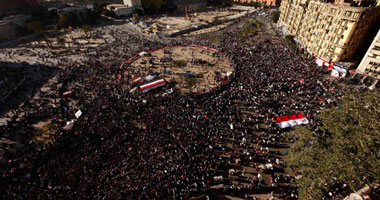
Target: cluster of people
column 176, row 146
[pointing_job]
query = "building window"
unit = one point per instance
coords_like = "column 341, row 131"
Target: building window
column 337, row 39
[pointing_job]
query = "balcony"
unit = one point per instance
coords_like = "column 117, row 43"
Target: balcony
column 375, row 52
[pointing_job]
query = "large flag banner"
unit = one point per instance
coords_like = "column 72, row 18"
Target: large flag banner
column 286, row 121
column 334, row 73
column 319, row 62
column 153, row 85
column 78, row 114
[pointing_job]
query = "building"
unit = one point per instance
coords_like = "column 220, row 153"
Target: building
column 330, row 30
column 370, row 64
column 132, row 3
column 262, row 2
column 7, row 6
column 125, row 9
column 120, row 10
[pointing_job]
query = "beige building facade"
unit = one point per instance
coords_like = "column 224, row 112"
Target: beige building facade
column 262, row 2
column 370, row 64
column 332, row 31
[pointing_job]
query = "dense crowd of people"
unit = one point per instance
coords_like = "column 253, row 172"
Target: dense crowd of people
column 153, row 146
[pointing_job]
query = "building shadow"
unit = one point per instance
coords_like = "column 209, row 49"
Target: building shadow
column 19, row 82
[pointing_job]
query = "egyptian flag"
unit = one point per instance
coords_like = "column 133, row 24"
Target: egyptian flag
column 319, row 62
column 153, row 85
column 331, row 66
column 286, row 121
column 334, row 73
column 137, row 80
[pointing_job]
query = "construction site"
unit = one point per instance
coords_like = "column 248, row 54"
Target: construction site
column 193, row 21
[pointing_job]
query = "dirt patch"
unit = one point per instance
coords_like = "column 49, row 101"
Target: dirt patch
column 192, row 69
column 44, row 131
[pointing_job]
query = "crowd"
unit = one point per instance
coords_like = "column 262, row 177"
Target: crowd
column 150, row 146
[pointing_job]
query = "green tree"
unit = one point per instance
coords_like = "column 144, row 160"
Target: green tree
column 346, row 149
column 35, row 27
column 60, row 40
column 154, row 6
column 276, row 16
column 219, row 3
column 63, row 21
column 86, row 28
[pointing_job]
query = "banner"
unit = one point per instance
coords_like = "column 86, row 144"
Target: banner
column 143, row 53
column 341, row 69
column 78, row 113
column 69, row 125
column 137, row 80
column 66, row 93
column 153, row 85
column 185, row 74
column 217, row 186
column 334, row 73
column 149, row 77
column 319, row 62
column 286, row 121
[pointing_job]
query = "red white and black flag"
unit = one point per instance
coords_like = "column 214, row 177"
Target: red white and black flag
column 286, row 121
column 153, row 85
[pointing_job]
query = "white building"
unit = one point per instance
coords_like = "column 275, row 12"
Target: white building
column 132, row 3
column 370, row 65
column 125, row 9
column 120, row 10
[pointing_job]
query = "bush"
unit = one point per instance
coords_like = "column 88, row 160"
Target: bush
column 179, row 63
column 190, row 81
column 289, row 38
column 276, row 16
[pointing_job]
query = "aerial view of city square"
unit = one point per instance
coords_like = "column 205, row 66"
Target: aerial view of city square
column 190, row 99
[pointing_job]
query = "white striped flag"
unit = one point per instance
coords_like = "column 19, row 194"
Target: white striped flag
column 137, row 80
column 286, row 121
column 153, row 85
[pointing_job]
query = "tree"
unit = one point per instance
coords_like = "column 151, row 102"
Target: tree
column 219, row 3
column 86, row 28
column 63, row 21
column 108, row 13
column 344, row 150
column 289, row 38
column 276, row 16
column 35, row 27
column 154, row 6
column 60, row 40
